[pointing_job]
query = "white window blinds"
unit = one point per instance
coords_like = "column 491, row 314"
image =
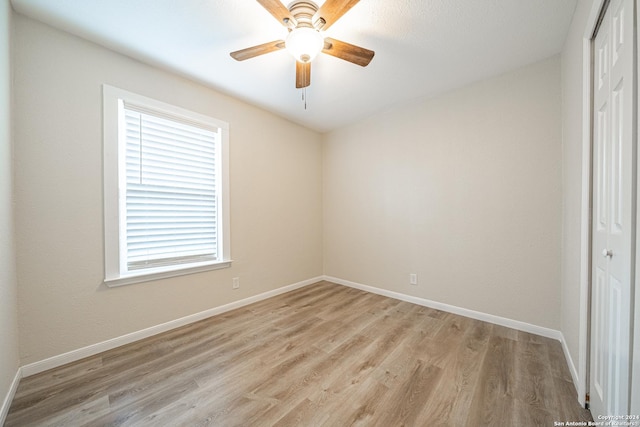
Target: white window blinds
column 171, row 191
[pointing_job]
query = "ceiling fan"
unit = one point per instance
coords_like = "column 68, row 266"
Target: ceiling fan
column 306, row 22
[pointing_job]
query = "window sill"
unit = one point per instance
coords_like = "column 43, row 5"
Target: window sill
column 147, row 277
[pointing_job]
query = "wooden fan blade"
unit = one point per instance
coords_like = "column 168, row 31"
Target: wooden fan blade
column 279, row 11
column 347, row 51
column 303, row 74
column 261, row 49
column 332, row 10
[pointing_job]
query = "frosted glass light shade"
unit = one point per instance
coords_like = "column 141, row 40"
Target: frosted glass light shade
column 304, row 44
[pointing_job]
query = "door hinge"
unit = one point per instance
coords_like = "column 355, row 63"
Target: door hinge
column 586, row 401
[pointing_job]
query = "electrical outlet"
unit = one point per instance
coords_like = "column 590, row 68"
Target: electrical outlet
column 413, row 279
column 236, row 283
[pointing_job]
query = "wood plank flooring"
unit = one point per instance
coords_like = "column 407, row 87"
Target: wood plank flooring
column 323, row 355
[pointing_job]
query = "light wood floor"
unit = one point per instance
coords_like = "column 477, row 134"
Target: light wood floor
column 320, row 355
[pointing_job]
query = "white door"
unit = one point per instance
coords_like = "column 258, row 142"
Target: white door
column 613, row 210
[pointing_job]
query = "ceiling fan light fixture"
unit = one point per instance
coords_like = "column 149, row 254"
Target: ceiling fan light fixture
column 304, row 43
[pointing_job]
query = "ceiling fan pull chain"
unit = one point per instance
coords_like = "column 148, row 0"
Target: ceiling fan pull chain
column 304, row 97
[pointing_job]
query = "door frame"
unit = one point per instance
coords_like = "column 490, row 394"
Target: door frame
column 582, row 382
column 634, row 404
column 582, row 371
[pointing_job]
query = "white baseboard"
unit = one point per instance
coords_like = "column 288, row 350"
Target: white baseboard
column 81, row 353
column 74, row 355
column 572, row 368
column 4, row 410
column 503, row 321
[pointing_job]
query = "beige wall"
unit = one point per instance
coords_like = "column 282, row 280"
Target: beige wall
column 8, row 288
column 463, row 189
column 275, row 197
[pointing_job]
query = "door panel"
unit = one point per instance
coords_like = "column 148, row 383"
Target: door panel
column 614, row 210
column 598, row 326
column 616, row 153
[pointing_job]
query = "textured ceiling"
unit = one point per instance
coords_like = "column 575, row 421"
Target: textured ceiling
column 423, row 47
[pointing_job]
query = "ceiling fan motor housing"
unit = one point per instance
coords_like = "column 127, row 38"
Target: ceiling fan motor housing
column 303, row 12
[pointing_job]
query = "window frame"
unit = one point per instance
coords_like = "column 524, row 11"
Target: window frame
column 114, row 151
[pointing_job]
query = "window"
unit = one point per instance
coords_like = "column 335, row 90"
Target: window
column 165, row 190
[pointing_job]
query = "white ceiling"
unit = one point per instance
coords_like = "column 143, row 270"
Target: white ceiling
column 423, row 47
